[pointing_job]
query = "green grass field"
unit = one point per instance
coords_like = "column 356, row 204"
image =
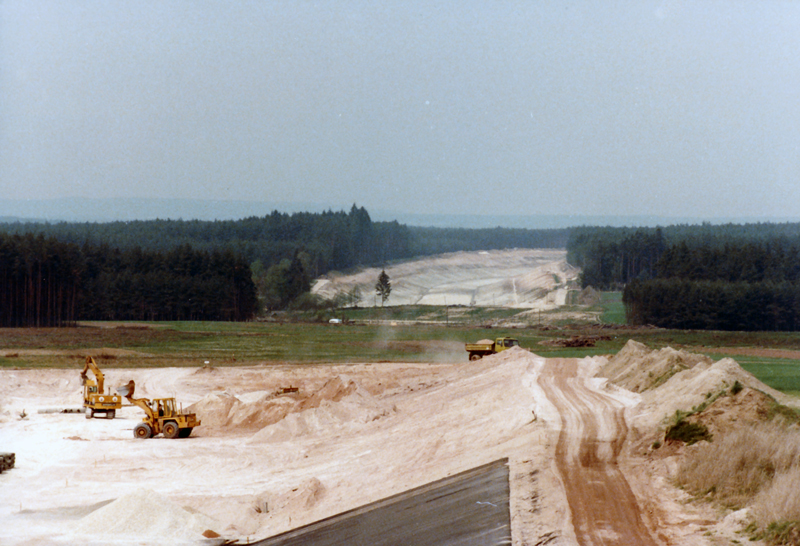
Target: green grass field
column 613, row 311
column 782, row 374
column 392, row 334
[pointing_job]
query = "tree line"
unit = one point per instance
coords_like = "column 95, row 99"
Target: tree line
column 47, row 282
column 713, row 305
column 611, row 257
column 136, row 270
column 327, row 241
column 728, row 277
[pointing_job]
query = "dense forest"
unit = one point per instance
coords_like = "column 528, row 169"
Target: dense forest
column 46, row 282
column 200, row 270
column 740, row 277
column 327, row 241
column 729, row 277
column 611, row 257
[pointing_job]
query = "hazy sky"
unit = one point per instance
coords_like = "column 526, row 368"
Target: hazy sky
column 675, row 108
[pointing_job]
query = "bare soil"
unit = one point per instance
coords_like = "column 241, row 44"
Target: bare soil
column 282, row 446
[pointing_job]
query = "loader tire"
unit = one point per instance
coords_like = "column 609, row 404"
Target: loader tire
column 89, row 413
column 142, row 431
column 170, row 429
column 110, row 414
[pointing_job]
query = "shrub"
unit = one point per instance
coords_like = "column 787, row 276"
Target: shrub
column 687, row 432
column 785, row 533
column 309, row 302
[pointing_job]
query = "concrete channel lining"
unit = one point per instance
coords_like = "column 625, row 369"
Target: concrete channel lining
column 470, row 508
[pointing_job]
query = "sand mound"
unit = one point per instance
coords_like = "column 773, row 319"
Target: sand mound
column 340, row 400
column 214, row 409
column 226, row 411
column 334, row 390
column 589, row 296
column 638, row 368
column 145, row 514
column 671, row 380
column 256, row 415
column 298, row 499
column 340, row 405
column 728, row 413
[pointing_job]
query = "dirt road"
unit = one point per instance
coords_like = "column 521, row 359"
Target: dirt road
column 593, row 431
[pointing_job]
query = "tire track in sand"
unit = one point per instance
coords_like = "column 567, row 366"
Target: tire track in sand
column 593, row 431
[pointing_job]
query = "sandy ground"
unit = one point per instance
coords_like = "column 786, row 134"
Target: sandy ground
column 265, row 462
column 525, row 278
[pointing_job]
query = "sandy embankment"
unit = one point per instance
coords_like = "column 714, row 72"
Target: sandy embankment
column 524, row 278
column 263, row 463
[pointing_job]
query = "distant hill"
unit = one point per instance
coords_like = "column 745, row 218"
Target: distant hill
column 119, row 209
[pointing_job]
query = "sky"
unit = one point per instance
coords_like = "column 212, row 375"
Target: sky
column 663, row 108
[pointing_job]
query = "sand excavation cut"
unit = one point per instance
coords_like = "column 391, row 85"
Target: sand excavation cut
column 522, row 278
column 267, row 460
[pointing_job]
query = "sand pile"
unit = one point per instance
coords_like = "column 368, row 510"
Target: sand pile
column 537, row 288
column 214, row 409
column 144, row 515
column 339, row 401
column 638, row 368
column 671, row 380
column 546, row 277
column 296, row 500
column 267, row 409
column 340, row 404
column 729, row 413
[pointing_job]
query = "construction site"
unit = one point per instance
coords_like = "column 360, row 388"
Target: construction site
column 505, row 448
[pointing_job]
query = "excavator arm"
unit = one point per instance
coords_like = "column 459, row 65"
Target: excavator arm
column 92, row 365
column 95, row 399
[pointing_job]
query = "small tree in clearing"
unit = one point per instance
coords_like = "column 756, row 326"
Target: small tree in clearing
column 383, row 287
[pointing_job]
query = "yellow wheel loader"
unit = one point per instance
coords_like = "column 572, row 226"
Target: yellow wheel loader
column 162, row 416
column 94, row 399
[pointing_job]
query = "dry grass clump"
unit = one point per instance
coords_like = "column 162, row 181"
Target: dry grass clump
column 780, row 500
column 757, row 466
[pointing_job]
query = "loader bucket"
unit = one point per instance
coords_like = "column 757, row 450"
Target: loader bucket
column 127, row 390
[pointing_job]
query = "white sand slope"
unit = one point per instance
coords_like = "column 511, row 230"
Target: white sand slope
column 522, row 278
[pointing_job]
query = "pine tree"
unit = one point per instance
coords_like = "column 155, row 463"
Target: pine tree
column 383, row 287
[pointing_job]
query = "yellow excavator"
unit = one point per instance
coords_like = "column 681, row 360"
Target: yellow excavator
column 94, row 399
column 161, row 416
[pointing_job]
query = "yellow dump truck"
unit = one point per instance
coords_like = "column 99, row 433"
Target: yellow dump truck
column 486, row 347
column 94, row 399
